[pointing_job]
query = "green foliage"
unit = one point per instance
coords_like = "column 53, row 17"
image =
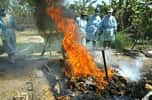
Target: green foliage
column 103, row 8
column 141, row 18
column 18, row 8
column 121, row 41
column 82, row 5
column 130, row 12
column 4, row 3
column 134, row 13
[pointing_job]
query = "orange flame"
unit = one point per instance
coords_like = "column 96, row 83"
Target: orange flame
column 81, row 63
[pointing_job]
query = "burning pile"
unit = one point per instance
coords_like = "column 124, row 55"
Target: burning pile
column 80, row 63
column 84, row 77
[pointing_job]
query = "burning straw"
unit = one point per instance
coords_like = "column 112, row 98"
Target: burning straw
column 80, row 62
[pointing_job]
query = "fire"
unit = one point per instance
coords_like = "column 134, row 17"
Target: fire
column 80, row 62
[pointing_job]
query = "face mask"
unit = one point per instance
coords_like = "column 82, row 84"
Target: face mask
column 109, row 14
column 84, row 17
column 2, row 14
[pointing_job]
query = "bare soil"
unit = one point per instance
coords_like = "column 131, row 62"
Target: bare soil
column 31, row 76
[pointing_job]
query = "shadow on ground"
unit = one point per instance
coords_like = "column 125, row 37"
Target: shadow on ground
column 22, row 67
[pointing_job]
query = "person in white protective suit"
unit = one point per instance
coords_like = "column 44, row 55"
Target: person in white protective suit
column 8, row 27
column 92, row 28
column 109, row 27
column 82, row 24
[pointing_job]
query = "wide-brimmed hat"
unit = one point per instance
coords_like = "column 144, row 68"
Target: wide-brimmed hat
column 83, row 12
column 110, row 10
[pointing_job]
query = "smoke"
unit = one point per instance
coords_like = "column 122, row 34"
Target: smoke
column 43, row 21
column 110, row 59
column 126, row 67
column 131, row 69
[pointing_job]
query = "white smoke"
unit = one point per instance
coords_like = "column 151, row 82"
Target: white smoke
column 110, row 59
column 129, row 68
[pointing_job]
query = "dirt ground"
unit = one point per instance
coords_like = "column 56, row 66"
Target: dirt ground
column 24, row 78
column 30, row 76
column 15, row 79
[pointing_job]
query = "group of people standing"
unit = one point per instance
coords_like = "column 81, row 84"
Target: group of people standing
column 91, row 26
column 8, row 37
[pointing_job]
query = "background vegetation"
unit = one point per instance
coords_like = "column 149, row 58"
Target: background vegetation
column 134, row 17
column 134, row 20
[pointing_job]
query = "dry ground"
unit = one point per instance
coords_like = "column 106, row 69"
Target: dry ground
column 14, row 78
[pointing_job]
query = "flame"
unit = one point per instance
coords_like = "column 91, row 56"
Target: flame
column 80, row 62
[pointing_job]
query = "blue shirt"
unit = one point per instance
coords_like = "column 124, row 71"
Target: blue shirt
column 8, row 27
column 108, row 25
column 92, row 27
column 3, row 29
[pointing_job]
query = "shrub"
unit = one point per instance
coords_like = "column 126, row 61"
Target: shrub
column 121, row 41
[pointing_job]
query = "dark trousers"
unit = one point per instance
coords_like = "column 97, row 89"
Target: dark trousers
column 93, row 41
column 107, row 44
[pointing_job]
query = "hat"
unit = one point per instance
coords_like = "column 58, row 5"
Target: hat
column 110, row 10
column 84, row 12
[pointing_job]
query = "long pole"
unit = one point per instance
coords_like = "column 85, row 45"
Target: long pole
column 105, row 65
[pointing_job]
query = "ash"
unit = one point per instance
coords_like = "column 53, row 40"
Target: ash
column 119, row 88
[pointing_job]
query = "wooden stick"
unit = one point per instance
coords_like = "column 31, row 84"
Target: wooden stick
column 105, row 65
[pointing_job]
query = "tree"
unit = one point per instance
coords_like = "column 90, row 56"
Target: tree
column 4, row 3
column 83, row 5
